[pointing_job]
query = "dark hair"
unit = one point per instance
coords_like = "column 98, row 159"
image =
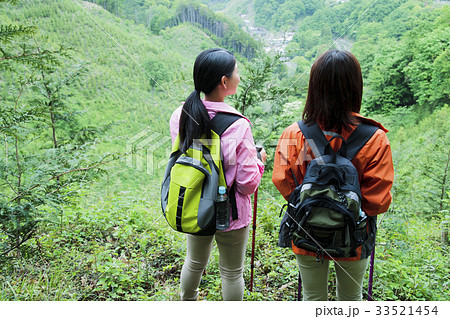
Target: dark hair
column 209, row 68
column 335, row 90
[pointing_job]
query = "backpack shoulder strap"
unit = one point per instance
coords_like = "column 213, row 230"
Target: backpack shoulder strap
column 221, row 121
column 315, row 137
column 358, row 138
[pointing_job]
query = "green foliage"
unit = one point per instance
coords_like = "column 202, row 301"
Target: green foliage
column 430, row 64
column 158, row 15
column 118, row 87
column 9, row 32
column 259, row 83
column 112, row 243
column 22, row 51
column 120, row 247
column 261, row 96
column 402, row 46
column 386, row 80
column 112, row 249
column 38, row 170
column 280, row 14
column 411, row 261
column 9, row 1
column 157, row 70
column 221, row 29
column 420, row 153
column 17, row 225
column 412, row 71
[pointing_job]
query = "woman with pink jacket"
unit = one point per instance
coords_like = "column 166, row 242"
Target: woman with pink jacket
column 216, row 74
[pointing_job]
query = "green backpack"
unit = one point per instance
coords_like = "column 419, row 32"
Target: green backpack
column 192, row 179
column 324, row 212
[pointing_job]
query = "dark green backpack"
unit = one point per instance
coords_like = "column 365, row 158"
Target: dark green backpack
column 324, row 212
column 191, row 181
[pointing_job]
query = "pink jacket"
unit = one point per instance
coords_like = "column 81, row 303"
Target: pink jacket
column 241, row 164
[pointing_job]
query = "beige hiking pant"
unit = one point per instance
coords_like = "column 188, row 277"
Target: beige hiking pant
column 232, row 245
column 349, row 278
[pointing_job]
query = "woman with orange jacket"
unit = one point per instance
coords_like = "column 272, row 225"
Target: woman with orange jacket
column 334, row 101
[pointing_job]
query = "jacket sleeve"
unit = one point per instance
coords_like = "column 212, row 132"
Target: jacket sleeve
column 378, row 175
column 288, row 161
column 240, row 152
column 174, row 123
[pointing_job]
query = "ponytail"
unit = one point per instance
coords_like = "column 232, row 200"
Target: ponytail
column 194, row 121
column 209, row 68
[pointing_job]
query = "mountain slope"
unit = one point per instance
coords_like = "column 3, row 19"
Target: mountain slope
column 135, row 78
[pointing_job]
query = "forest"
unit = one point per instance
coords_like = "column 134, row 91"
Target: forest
column 87, row 89
column 157, row 15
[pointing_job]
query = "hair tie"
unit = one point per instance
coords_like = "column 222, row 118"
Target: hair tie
column 197, row 91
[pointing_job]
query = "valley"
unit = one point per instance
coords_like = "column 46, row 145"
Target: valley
column 85, row 138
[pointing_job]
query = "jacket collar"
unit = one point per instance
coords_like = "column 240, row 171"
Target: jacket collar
column 366, row 120
column 216, row 107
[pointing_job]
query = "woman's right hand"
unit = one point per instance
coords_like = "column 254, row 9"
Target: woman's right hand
column 263, row 155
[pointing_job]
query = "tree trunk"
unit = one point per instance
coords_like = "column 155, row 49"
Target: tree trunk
column 444, row 180
column 52, row 117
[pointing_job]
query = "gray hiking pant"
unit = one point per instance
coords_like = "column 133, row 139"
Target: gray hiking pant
column 349, row 278
column 232, row 245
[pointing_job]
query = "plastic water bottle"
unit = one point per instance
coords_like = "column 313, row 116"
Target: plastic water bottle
column 362, row 218
column 362, row 214
column 222, row 209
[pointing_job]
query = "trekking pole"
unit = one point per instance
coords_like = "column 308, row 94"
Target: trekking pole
column 252, row 264
column 299, row 294
column 372, row 262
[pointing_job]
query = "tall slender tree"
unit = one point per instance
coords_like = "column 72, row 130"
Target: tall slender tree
column 45, row 152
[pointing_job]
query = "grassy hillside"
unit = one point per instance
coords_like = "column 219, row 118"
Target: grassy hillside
column 135, row 78
column 119, row 247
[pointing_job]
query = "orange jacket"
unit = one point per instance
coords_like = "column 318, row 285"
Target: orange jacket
column 373, row 162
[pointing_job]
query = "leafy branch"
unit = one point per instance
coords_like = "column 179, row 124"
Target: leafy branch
column 81, row 169
column 9, row 32
column 259, row 83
